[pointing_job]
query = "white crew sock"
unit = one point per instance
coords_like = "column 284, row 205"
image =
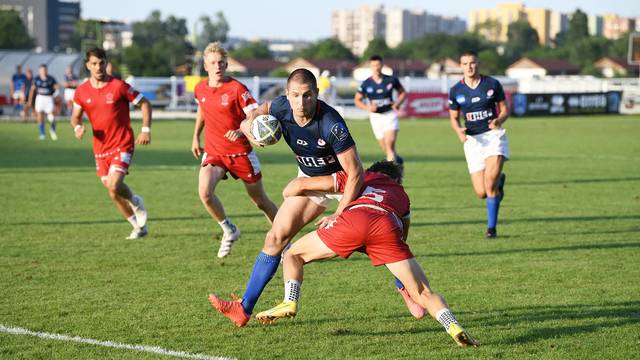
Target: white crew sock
column 291, row 290
column 227, row 226
column 445, row 318
column 132, row 220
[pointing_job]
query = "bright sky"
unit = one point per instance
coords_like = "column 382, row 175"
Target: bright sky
column 311, row 20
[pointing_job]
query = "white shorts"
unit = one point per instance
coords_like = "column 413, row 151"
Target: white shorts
column 18, row 95
column 44, row 103
column 322, row 198
column 68, row 94
column 479, row 147
column 381, row 123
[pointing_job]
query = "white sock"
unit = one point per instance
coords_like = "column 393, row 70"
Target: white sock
column 445, row 318
column 227, row 226
column 132, row 220
column 291, row 290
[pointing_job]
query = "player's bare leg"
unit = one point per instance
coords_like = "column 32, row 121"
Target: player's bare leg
column 308, row 249
column 389, row 140
column 294, row 213
column 124, row 200
column 261, row 200
column 477, row 181
column 417, row 284
column 208, row 179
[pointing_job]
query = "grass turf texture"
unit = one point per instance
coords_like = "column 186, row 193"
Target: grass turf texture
column 561, row 281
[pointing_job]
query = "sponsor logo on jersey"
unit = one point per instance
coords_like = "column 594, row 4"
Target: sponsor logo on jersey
column 389, row 86
column 224, row 100
column 109, row 98
column 489, row 93
column 460, row 99
column 321, row 143
column 369, row 89
column 203, row 99
column 339, row 130
column 379, row 91
column 88, row 101
column 475, row 99
column 312, row 161
column 302, row 142
column 478, row 115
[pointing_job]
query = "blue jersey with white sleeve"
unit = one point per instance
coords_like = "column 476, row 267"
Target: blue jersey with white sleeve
column 316, row 144
column 478, row 106
column 380, row 94
column 46, row 86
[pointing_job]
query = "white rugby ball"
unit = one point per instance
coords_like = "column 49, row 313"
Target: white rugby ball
column 266, row 129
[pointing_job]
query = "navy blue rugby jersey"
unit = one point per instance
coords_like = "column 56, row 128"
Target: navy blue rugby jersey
column 45, row 87
column 317, row 143
column 380, row 94
column 478, row 106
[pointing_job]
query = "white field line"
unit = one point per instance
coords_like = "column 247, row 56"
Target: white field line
column 111, row 344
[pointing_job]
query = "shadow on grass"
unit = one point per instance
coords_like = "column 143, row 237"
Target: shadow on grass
column 600, row 317
column 531, row 220
column 576, row 181
column 117, row 221
column 627, row 245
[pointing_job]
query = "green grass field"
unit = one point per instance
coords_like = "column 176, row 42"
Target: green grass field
column 561, row 282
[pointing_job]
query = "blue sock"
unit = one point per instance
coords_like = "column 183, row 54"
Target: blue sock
column 399, row 284
column 493, row 205
column 41, row 128
column 263, row 270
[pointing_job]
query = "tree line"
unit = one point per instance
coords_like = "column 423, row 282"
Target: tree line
column 163, row 46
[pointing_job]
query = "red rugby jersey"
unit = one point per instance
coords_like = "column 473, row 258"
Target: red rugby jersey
column 108, row 112
column 223, row 109
column 379, row 190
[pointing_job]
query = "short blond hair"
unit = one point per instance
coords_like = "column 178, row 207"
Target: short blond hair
column 215, row 47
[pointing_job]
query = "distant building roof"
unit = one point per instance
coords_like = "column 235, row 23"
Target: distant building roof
column 337, row 67
column 253, row 66
column 551, row 66
column 618, row 65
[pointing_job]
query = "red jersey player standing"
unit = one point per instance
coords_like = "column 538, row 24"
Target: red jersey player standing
column 376, row 223
column 106, row 101
column 223, row 103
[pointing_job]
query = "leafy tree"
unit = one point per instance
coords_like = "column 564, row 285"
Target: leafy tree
column 158, row 46
column 253, row 50
column 521, row 37
column 86, row 34
column 489, row 29
column 279, row 73
column 330, row 48
column 437, row 46
column 588, row 50
column 578, row 29
column 491, row 63
column 212, row 30
column 13, row 33
column 377, row 46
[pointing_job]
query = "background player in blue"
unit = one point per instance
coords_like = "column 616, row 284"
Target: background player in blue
column 18, row 89
column 44, row 88
column 378, row 89
column 481, row 102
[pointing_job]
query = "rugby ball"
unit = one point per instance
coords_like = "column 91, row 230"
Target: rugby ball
column 266, row 129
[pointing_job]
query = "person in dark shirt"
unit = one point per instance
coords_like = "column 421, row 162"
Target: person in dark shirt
column 481, row 102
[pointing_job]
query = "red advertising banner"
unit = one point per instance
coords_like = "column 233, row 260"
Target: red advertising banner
column 426, row 105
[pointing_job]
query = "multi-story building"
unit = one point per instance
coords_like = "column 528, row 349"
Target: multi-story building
column 356, row 28
column 50, row 22
column 559, row 23
column 493, row 24
column 615, row 26
column 596, row 25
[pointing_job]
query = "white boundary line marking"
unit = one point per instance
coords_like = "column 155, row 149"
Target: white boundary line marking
column 112, row 344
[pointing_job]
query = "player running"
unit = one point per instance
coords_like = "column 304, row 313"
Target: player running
column 106, row 102
column 481, row 102
column 223, row 104
column 376, row 223
column 381, row 107
column 44, row 88
column 322, row 144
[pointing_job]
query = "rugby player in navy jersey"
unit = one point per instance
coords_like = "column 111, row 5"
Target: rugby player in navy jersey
column 322, row 145
column 382, row 107
column 480, row 101
column 44, row 89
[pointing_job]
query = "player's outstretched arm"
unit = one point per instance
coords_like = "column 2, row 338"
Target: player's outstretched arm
column 454, row 116
column 245, row 125
column 299, row 185
column 144, row 137
column 76, row 122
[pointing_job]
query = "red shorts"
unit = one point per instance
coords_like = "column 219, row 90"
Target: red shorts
column 244, row 167
column 377, row 233
column 117, row 160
